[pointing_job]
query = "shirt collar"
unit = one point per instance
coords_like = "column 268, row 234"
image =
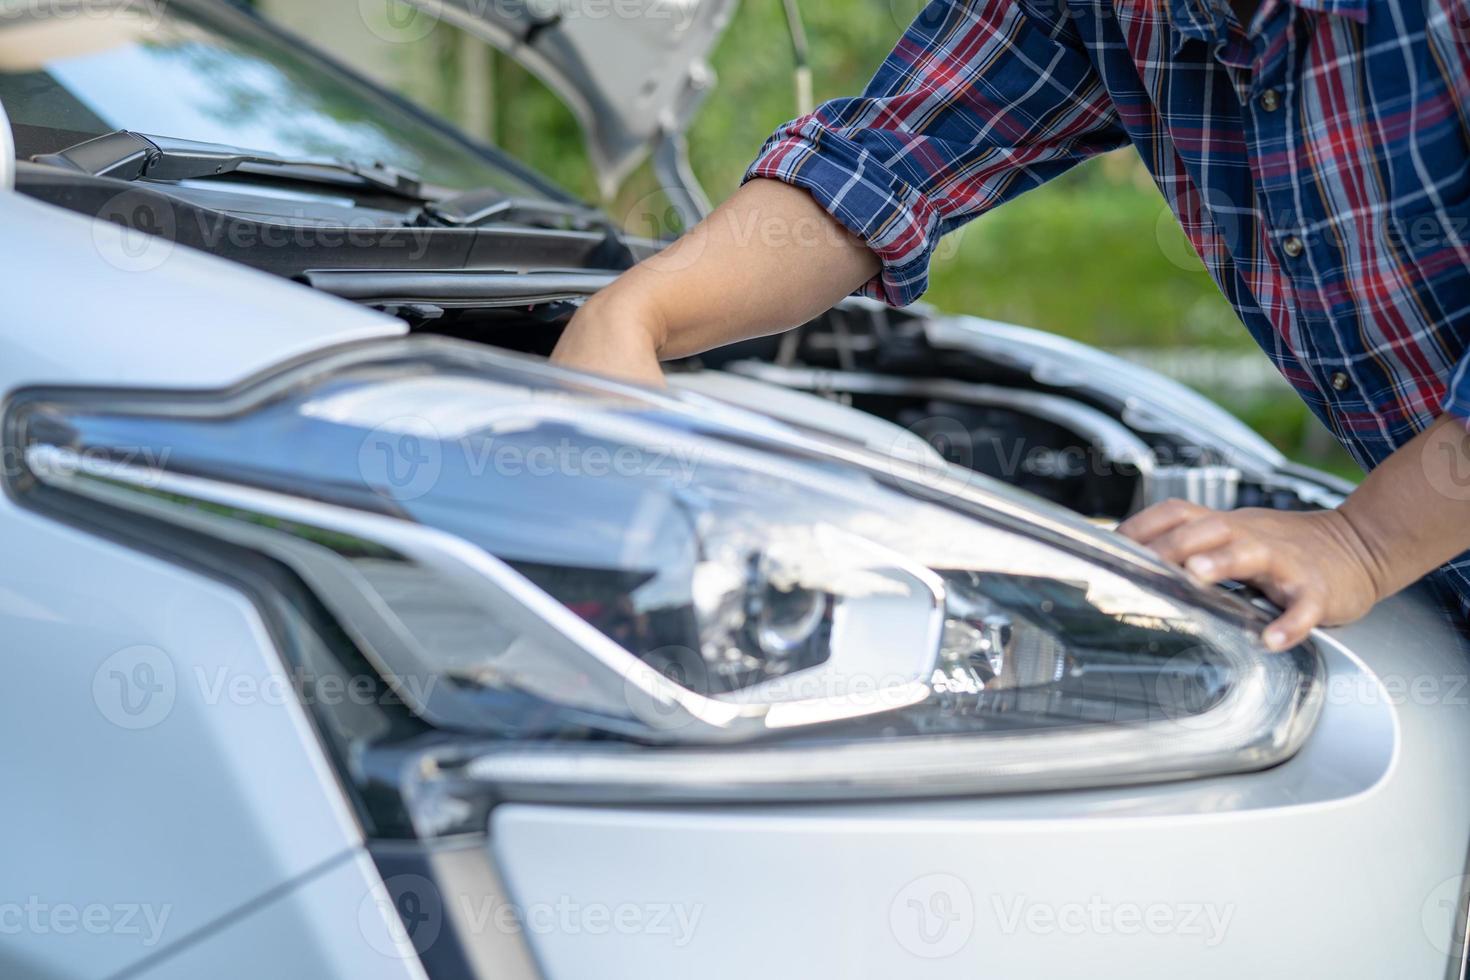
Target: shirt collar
column 1192, row 20
column 1204, row 20
column 1351, row 9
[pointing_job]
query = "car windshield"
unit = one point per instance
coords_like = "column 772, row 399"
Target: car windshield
column 206, row 72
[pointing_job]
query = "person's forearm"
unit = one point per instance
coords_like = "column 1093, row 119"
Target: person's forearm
column 1412, row 513
column 766, row 260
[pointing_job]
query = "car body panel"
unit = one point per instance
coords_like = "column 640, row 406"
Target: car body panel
column 111, row 306
column 224, row 809
column 163, row 759
column 335, row 923
column 1270, row 869
column 156, row 738
column 809, row 411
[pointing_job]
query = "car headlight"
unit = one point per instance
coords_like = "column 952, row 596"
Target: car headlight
column 607, row 593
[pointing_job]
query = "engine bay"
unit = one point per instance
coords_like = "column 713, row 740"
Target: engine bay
column 1062, row 436
column 1066, row 422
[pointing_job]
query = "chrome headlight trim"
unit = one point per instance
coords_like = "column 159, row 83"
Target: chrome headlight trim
column 707, row 752
column 1225, row 740
column 283, row 527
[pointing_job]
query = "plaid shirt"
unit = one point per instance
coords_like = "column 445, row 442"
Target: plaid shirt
column 1319, row 163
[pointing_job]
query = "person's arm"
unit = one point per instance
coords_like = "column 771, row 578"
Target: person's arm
column 765, row 260
column 979, row 101
column 1409, row 516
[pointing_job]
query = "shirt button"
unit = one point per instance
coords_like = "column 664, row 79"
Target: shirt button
column 1340, row 381
column 1292, row 246
column 1271, row 100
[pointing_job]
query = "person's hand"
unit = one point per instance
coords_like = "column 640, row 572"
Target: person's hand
column 614, row 337
column 1313, row 564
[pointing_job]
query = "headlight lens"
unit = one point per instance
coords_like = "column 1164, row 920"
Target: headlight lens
column 616, row 594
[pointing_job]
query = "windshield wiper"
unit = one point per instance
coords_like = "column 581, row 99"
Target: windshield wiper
column 133, row 156
column 487, row 206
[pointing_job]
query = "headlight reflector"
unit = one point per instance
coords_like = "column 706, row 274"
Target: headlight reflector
column 607, row 592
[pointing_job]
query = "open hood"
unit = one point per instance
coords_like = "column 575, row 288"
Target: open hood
column 633, row 71
column 7, row 153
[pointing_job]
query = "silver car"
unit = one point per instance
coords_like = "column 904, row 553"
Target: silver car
column 349, row 638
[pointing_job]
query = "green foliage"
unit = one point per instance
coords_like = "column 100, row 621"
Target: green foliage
column 754, row 64
column 1093, row 256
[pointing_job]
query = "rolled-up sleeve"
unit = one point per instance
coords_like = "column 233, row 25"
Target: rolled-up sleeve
column 979, row 101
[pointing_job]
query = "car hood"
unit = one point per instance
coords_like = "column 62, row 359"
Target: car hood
column 632, row 71
column 152, row 315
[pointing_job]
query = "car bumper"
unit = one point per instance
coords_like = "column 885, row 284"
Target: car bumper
column 1346, row 861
